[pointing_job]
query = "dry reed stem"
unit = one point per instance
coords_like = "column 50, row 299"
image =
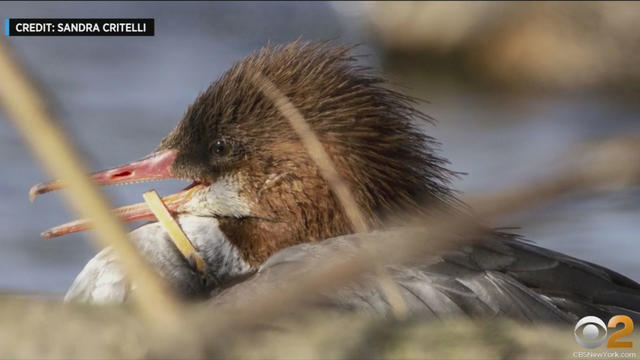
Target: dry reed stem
column 315, row 150
column 26, row 108
column 338, row 186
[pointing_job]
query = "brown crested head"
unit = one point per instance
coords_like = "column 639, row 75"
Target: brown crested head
column 270, row 193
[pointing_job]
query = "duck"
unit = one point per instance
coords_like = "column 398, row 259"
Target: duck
column 258, row 206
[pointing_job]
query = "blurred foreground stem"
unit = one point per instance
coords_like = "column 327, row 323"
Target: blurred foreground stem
column 26, row 109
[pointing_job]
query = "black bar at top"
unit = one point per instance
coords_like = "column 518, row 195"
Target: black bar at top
column 81, row 27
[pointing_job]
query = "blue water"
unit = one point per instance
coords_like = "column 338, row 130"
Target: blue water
column 117, row 98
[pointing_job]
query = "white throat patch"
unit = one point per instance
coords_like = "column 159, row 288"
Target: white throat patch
column 221, row 198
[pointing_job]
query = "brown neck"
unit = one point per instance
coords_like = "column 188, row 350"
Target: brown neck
column 258, row 239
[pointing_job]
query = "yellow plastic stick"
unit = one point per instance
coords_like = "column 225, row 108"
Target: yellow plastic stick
column 174, row 230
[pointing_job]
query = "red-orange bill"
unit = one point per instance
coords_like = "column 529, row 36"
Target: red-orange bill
column 157, row 166
column 153, row 167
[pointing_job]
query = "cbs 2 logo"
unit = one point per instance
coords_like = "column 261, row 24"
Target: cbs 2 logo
column 591, row 332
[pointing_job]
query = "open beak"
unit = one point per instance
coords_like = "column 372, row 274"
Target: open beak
column 156, row 166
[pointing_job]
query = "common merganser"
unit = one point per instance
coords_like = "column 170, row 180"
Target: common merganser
column 258, row 201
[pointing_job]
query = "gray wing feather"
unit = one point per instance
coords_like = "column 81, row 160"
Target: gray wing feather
column 498, row 275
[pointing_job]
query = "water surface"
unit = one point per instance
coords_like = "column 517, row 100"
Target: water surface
column 117, row 98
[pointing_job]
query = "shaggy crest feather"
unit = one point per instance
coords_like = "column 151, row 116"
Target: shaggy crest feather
column 369, row 131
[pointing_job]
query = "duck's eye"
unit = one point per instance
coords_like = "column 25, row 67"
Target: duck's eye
column 221, row 148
